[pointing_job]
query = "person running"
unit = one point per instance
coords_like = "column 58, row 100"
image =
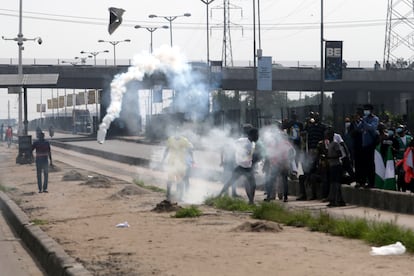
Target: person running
column 43, row 153
column 244, row 148
column 178, row 152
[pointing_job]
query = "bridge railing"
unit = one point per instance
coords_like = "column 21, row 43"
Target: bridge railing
column 126, row 62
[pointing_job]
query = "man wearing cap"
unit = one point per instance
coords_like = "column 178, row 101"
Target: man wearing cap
column 367, row 125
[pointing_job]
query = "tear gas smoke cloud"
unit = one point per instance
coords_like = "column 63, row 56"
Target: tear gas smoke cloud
column 192, row 94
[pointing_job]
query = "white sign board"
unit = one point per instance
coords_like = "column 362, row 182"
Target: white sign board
column 264, row 74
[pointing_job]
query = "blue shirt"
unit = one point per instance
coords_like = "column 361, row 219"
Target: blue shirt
column 368, row 125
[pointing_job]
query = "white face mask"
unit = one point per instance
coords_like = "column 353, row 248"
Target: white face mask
column 347, row 124
column 367, row 112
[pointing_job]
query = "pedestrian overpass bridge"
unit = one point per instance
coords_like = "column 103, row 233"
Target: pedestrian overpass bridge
column 231, row 78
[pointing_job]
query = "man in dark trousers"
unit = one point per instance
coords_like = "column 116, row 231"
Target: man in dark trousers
column 245, row 148
column 368, row 126
column 314, row 132
column 43, row 155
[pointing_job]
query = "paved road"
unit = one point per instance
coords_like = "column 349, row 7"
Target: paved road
column 14, row 258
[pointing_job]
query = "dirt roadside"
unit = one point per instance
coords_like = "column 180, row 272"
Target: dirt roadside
column 82, row 215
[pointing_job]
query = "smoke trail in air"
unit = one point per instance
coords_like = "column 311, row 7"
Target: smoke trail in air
column 166, row 60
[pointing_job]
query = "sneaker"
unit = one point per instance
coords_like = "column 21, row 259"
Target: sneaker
column 45, row 191
column 285, row 200
column 40, row 192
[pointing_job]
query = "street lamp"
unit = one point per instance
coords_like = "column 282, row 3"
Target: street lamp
column 20, row 39
column 83, row 59
column 151, row 30
column 69, row 62
column 170, row 18
column 114, row 43
column 207, row 2
column 94, row 54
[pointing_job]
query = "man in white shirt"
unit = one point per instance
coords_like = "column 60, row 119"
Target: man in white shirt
column 244, row 147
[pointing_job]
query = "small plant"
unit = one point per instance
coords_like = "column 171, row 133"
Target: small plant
column 4, row 189
column 189, row 212
column 39, row 222
column 7, row 189
column 229, row 204
column 141, row 184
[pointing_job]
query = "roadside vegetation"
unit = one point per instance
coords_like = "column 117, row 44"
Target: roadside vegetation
column 141, row 184
column 39, row 222
column 229, row 204
column 375, row 233
column 188, row 212
column 6, row 189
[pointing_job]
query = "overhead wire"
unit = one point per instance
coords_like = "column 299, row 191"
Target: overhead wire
column 198, row 26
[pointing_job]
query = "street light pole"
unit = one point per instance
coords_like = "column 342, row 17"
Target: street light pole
column 94, row 54
column 321, row 109
column 151, row 30
column 207, row 3
column 20, row 39
column 170, row 19
column 114, row 43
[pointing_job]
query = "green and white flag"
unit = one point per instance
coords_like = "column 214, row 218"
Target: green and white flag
column 384, row 170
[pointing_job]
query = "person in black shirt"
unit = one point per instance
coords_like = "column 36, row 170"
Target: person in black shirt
column 314, row 132
column 43, row 153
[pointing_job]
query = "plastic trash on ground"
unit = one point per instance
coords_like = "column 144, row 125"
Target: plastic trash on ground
column 393, row 249
column 123, row 225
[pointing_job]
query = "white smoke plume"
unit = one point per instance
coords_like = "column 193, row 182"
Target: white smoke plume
column 166, row 60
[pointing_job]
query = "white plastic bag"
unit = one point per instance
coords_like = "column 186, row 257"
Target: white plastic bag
column 123, row 225
column 393, row 249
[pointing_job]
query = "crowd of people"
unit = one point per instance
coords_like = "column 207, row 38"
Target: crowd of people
column 369, row 153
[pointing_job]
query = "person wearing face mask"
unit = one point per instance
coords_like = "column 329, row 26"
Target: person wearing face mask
column 403, row 140
column 367, row 125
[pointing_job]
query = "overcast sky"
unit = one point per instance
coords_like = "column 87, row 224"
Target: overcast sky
column 290, row 29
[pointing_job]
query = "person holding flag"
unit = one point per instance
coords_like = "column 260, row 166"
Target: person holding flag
column 384, row 161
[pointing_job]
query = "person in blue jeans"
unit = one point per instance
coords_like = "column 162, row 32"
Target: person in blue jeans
column 43, row 155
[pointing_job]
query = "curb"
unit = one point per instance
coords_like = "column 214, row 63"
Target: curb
column 50, row 255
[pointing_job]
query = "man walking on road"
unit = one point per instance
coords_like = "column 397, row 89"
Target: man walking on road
column 43, row 152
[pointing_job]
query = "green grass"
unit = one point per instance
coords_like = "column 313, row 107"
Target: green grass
column 39, row 222
column 229, row 204
column 373, row 232
column 188, row 212
column 141, row 184
column 6, row 189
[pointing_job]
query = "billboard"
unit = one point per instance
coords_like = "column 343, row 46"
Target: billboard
column 333, row 60
column 264, row 74
column 91, row 96
column 80, row 98
column 41, row 107
column 69, row 100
